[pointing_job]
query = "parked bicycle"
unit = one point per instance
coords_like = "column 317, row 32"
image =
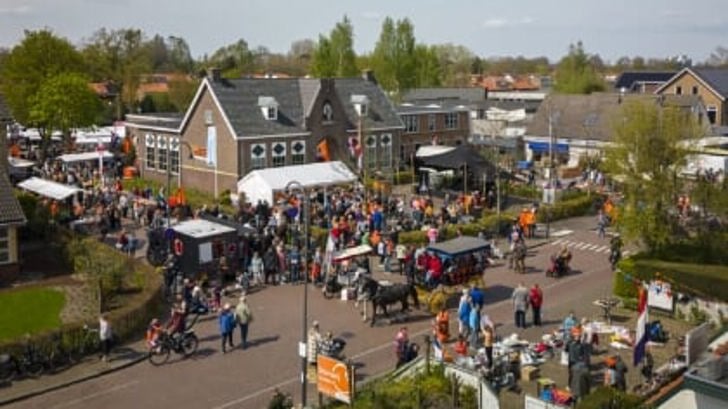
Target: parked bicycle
column 183, row 344
column 29, row 364
column 60, row 357
column 88, row 344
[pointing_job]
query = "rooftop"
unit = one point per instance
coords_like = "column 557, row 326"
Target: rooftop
column 199, row 228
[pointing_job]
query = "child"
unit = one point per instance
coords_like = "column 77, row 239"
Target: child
column 461, row 346
column 153, row 332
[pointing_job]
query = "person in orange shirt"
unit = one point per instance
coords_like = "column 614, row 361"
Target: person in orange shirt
column 442, row 325
column 523, row 222
column 530, row 218
column 461, row 346
column 374, row 239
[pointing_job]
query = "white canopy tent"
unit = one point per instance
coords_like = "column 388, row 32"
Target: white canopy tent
column 263, row 183
column 85, row 156
column 48, row 188
column 432, row 150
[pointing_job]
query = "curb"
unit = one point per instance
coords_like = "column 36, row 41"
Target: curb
column 64, row 384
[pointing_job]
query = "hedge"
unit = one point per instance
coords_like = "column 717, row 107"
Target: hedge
column 488, row 223
column 704, row 280
column 579, row 206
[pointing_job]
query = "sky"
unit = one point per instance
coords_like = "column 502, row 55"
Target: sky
column 612, row 28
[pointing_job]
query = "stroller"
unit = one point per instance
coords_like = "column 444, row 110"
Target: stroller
column 559, row 266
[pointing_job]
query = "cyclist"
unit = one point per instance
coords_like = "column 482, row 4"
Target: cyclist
column 154, row 331
column 176, row 323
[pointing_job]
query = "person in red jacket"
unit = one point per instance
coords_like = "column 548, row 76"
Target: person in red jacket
column 535, row 297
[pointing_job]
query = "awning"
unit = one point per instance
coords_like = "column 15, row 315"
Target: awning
column 85, row 156
column 48, row 188
column 352, row 252
column 459, row 245
column 20, row 163
column 544, row 147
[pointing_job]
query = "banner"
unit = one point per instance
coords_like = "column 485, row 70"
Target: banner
column 333, row 378
column 211, row 146
column 660, row 295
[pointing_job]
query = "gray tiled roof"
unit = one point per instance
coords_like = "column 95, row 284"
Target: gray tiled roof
column 380, row 113
column 628, row 79
column 463, row 93
column 239, row 100
column 716, row 77
column 309, row 90
column 10, row 211
column 591, row 116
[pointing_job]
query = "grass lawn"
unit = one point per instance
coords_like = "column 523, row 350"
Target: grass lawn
column 29, row 310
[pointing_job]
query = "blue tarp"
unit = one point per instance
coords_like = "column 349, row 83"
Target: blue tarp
column 543, row 147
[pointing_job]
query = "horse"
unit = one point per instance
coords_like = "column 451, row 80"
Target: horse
column 369, row 289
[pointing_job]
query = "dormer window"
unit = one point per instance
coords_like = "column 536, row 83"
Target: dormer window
column 361, row 104
column 269, row 108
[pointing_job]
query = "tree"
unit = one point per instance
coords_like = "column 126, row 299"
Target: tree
column 334, row 55
column 455, row 62
column 719, row 57
column 40, row 56
column 64, row 102
column 180, row 57
column 577, row 74
column 394, row 58
column 650, row 148
column 427, row 66
column 233, row 59
column 181, row 93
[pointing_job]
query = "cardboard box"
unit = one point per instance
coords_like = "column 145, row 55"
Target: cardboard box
column 529, row 373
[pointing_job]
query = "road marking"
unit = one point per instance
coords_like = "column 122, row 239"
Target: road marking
column 557, row 242
column 603, row 249
column 593, row 247
column 560, row 233
column 582, row 246
column 563, row 281
column 95, row 395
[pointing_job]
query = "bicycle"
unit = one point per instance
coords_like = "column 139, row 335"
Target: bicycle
column 88, row 344
column 183, row 344
column 60, row 357
column 29, row 364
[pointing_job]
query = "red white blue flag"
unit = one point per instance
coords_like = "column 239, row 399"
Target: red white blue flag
column 641, row 336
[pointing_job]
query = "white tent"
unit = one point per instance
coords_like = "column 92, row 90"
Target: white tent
column 263, row 183
column 48, row 188
column 432, row 150
column 85, row 156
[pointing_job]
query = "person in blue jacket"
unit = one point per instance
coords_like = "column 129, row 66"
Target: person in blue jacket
column 227, row 325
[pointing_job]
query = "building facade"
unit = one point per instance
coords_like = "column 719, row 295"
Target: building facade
column 428, row 124
column 711, row 85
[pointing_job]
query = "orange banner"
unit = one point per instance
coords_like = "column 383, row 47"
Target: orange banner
column 333, row 378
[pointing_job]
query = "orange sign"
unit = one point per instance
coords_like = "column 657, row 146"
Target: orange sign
column 333, row 378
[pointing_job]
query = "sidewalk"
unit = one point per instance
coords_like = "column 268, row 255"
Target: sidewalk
column 91, row 367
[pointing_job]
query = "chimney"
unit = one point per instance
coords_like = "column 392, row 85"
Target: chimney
column 214, row 74
column 368, row 75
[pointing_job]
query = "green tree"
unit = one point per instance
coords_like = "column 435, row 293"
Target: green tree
column 64, row 102
column 181, row 93
column 334, row 55
column 427, row 66
column 39, row 56
column 456, row 62
column 233, row 59
column 394, row 59
column 650, row 148
column 576, row 73
column 121, row 56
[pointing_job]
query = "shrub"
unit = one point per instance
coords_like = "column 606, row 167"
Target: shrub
column 609, row 398
column 318, row 235
column 579, row 206
column 415, row 237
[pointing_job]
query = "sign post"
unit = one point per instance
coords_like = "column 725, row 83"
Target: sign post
column 334, row 379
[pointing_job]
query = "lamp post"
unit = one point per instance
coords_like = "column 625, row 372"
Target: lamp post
column 169, row 171
column 295, row 185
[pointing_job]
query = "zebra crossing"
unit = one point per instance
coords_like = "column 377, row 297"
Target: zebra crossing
column 585, row 246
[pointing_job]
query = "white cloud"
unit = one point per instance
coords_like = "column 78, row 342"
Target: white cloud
column 20, row 9
column 500, row 22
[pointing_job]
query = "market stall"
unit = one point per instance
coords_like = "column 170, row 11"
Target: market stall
column 201, row 244
column 263, row 184
column 49, row 189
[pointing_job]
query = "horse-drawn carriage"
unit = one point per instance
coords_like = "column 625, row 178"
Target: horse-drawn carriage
column 345, row 266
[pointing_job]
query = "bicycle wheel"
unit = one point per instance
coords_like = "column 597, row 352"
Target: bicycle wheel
column 34, row 368
column 189, row 345
column 8, row 372
column 159, row 355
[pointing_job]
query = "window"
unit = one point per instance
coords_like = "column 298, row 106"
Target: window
column 298, row 152
column 695, row 90
column 410, row 123
column 4, row 245
column 257, row 156
column 451, row 120
column 208, row 117
column 269, row 107
column 712, row 113
column 174, row 155
column 678, row 90
column 385, row 159
column 371, row 151
column 431, row 122
column 279, row 154
column 272, row 113
column 161, row 152
column 362, row 109
column 150, row 142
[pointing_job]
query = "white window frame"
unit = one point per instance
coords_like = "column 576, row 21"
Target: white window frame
column 451, row 120
column 4, row 245
column 174, row 158
column 278, row 159
column 432, row 122
column 271, row 113
column 714, row 110
column 298, row 158
column 150, row 154
column 162, row 153
column 385, row 158
column 260, row 162
column 411, row 123
column 370, row 147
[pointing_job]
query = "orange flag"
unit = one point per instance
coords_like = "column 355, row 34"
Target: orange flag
column 322, row 150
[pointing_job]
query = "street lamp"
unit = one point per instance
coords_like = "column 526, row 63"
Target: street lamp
column 169, row 172
column 295, row 185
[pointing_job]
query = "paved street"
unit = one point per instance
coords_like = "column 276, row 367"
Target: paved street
column 246, row 379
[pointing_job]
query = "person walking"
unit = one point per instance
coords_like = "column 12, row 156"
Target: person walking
column 105, row 336
column 488, row 337
column 535, row 297
column 520, row 304
column 244, row 316
column 256, row 268
column 401, row 344
column 464, row 313
column 227, row 324
column 314, row 339
column 601, row 224
column 474, row 324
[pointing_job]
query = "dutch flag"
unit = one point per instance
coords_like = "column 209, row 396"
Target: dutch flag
column 641, row 337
